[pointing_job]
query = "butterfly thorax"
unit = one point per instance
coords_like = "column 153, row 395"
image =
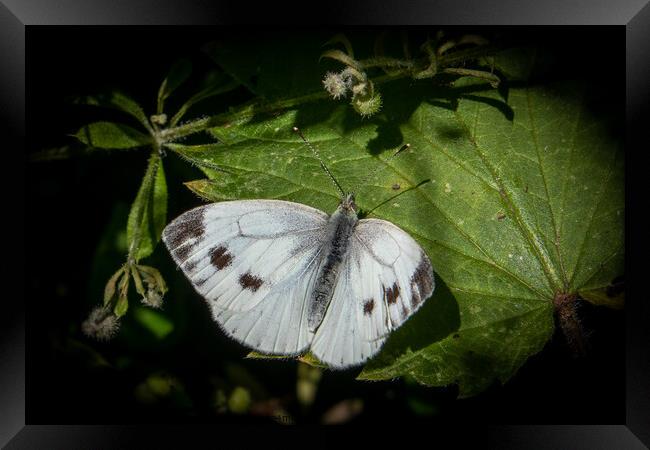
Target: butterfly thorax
column 335, row 246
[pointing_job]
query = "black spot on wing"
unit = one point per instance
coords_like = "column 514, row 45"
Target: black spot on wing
column 249, row 281
column 368, row 306
column 186, row 227
column 391, row 294
column 219, row 257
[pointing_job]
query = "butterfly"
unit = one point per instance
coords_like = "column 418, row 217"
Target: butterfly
column 283, row 278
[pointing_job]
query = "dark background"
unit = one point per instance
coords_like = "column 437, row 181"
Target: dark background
column 83, row 200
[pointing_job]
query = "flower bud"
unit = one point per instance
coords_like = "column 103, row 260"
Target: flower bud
column 101, row 324
column 152, row 298
column 367, row 105
column 335, row 85
column 159, row 119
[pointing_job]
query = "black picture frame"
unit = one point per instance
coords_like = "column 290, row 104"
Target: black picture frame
column 634, row 15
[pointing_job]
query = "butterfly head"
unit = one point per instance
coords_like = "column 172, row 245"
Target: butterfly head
column 347, row 203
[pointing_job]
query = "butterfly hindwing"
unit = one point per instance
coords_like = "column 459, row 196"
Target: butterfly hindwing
column 253, row 261
column 385, row 278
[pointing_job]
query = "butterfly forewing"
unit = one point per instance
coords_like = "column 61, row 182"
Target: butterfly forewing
column 385, row 278
column 253, row 261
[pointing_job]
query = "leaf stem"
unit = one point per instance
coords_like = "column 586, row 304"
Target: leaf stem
column 251, row 109
column 566, row 311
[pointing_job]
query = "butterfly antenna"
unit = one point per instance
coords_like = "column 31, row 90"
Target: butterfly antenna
column 371, row 174
column 322, row 164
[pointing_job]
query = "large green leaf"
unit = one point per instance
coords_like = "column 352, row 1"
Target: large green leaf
column 514, row 203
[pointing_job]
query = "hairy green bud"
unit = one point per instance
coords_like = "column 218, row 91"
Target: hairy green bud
column 366, row 106
column 335, row 85
column 101, row 324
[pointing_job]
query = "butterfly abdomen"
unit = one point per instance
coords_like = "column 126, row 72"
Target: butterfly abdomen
column 336, row 245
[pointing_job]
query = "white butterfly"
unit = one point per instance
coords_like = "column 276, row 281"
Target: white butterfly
column 282, row 277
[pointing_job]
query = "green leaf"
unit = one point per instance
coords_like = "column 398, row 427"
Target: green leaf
column 119, row 101
column 307, row 358
column 216, row 83
column 148, row 215
column 111, row 135
column 177, row 75
column 513, row 202
column 109, row 289
column 122, row 304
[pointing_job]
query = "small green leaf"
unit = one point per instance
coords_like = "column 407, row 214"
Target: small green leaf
column 137, row 280
column 257, row 355
column 177, row 75
column 121, row 306
column 148, row 215
column 111, row 135
column 342, row 57
column 341, row 38
column 109, row 290
column 215, row 84
column 307, row 358
column 117, row 100
column 122, row 303
column 156, row 279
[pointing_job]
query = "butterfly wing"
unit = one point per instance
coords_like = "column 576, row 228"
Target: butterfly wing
column 385, row 278
column 254, row 261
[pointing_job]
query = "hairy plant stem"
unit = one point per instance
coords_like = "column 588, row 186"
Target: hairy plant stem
column 566, row 312
column 250, row 109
